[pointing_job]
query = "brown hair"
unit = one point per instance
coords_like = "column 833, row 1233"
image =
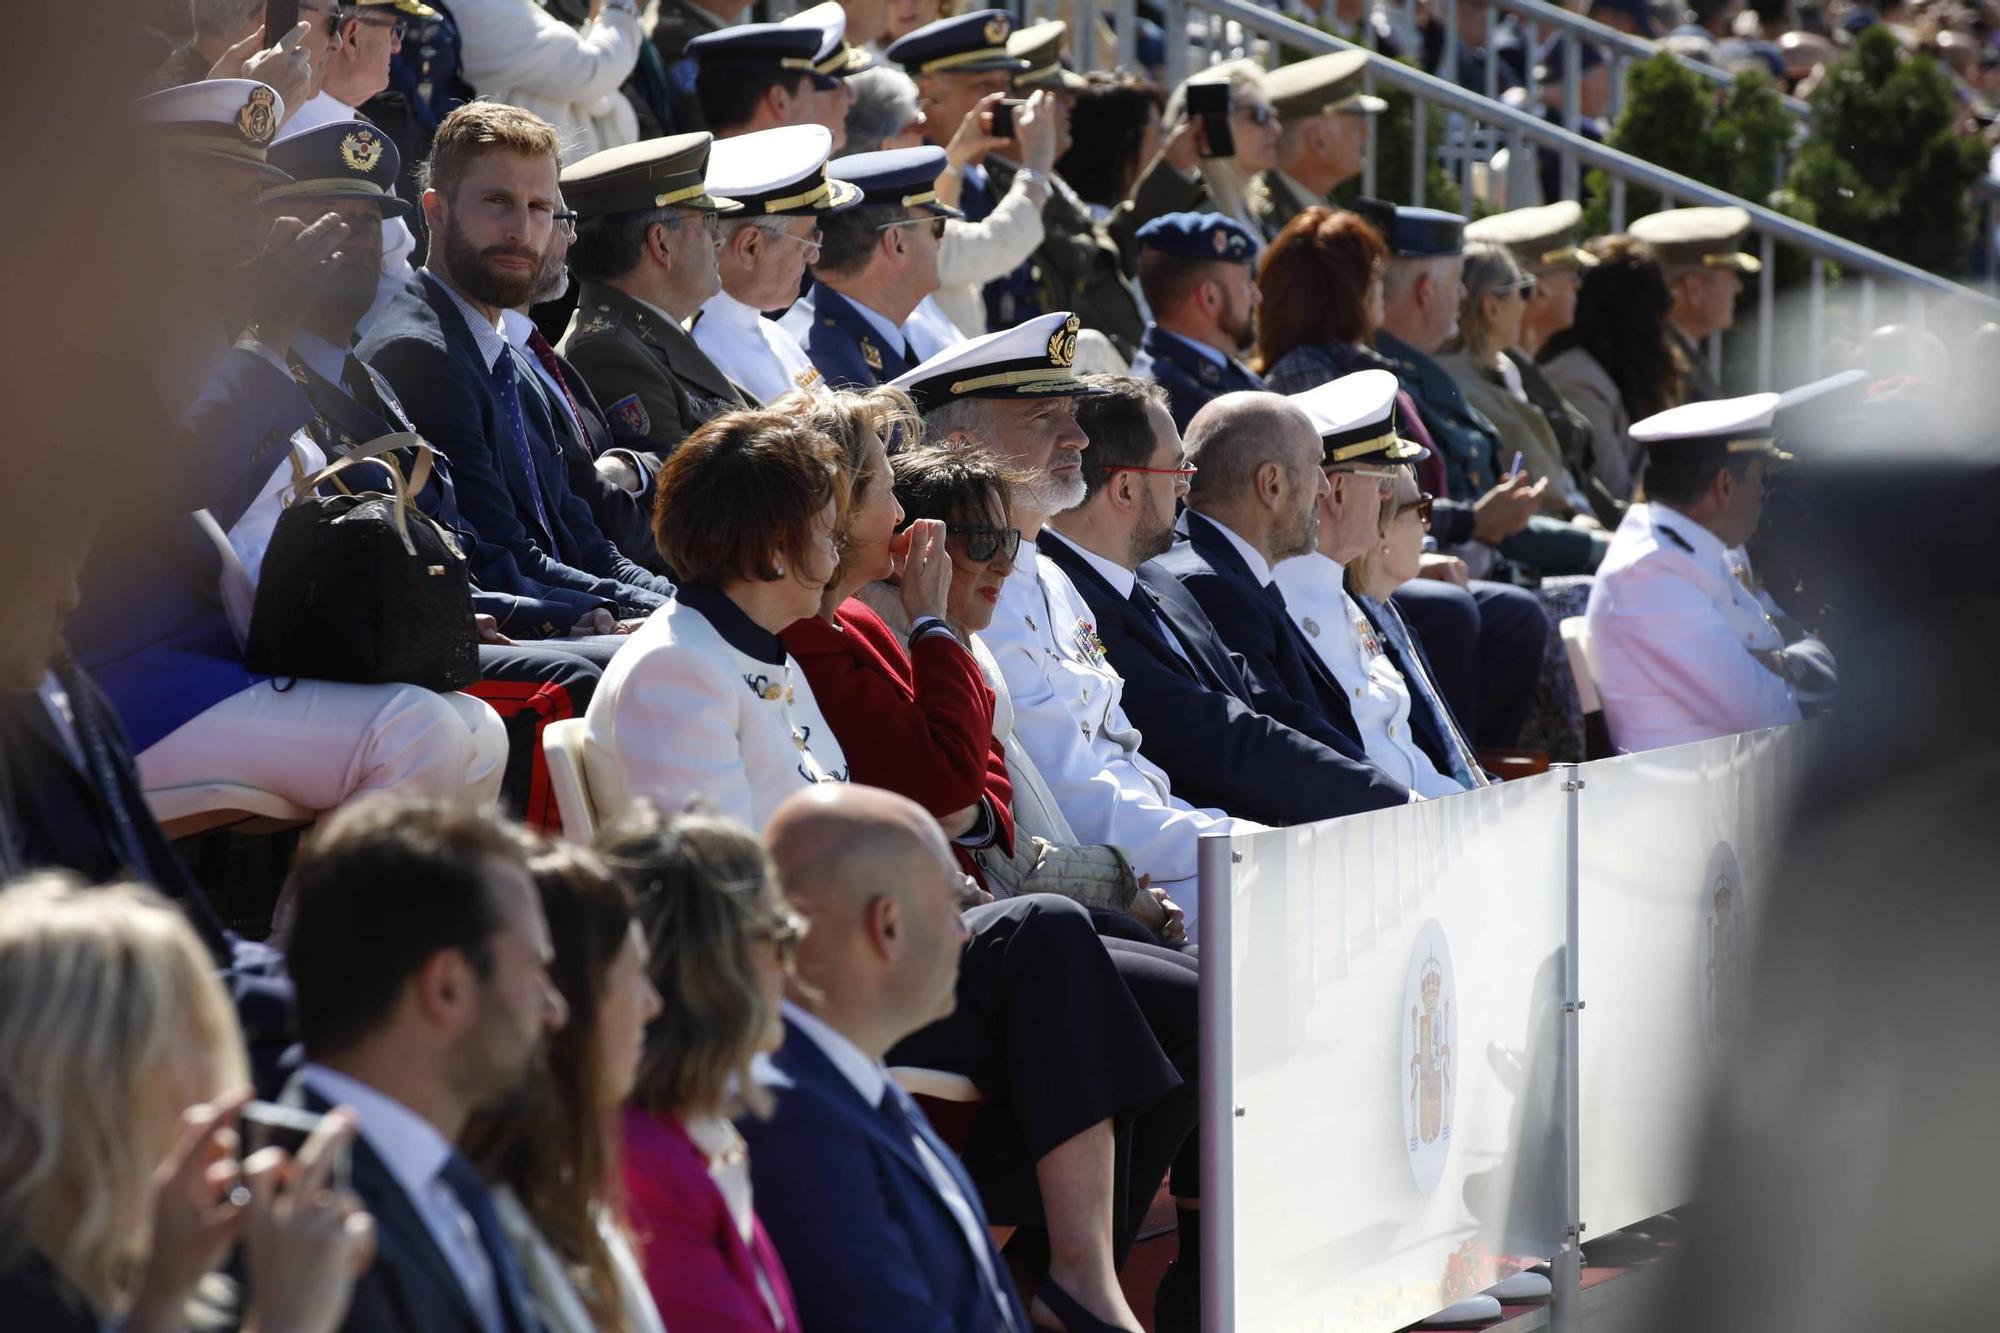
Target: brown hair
column 557, row 1147
column 744, row 487
column 1314, row 283
column 953, row 483
column 1118, row 425
column 699, row 885
column 848, row 417
column 476, row 129
column 1622, row 312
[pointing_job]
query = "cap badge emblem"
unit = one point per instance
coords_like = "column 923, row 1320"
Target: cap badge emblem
column 1062, row 344
column 1221, row 241
column 996, row 30
column 361, row 150
column 258, row 120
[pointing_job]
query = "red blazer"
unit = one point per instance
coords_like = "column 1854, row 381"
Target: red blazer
column 922, row 728
column 702, row 1276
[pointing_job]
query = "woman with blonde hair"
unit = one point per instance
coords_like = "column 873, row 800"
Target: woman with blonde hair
column 721, row 939
column 1183, row 179
column 122, row 1075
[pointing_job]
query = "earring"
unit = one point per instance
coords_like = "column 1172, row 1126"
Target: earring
column 780, row 567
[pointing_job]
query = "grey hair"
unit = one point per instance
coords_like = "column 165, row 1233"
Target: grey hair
column 885, row 100
column 1488, row 268
column 1402, row 275
column 961, row 414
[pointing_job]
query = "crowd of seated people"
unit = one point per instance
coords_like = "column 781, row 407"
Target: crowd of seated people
column 915, row 642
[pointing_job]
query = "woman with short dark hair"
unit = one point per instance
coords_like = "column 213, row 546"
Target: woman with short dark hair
column 1115, row 130
column 704, row 703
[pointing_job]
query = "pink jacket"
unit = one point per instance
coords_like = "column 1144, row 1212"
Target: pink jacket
column 702, row 1276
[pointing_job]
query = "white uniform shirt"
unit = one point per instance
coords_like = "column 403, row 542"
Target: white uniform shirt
column 765, row 360
column 1358, row 658
column 1068, row 718
column 1674, row 637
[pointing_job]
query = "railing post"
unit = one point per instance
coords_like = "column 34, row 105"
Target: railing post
column 1767, row 316
column 1374, row 142
column 1177, row 41
column 1420, row 127
column 1816, row 313
column 1572, row 96
column 1128, row 35
column 1219, row 1112
column 1566, row 1272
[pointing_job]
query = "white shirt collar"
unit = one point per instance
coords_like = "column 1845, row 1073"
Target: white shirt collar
column 490, row 337
column 868, row 1076
column 726, row 309
column 882, row 324
column 409, row 1145
column 1260, row 568
column 1312, row 575
column 1113, row 573
column 516, row 326
column 1708, row 547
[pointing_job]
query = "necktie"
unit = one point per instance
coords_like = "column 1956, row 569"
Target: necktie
column 547, row 356
column 895, row 1110
column 507, row 384
column 478, row 1205
column 1150, row 609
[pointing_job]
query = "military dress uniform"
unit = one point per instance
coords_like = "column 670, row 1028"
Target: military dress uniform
column 1327, row 85
column 1681, row 647
column 1066, row 696
column 637, row 359
column 1697, row 238
column 1192, row 372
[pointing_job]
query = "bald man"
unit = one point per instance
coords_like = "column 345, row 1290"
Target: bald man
column 878, row 1224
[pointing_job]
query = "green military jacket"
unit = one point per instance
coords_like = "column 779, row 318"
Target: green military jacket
column 644, row 368
column 1076, row 267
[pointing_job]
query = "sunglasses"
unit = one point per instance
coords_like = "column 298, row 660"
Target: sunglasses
column 1526, row 286
column 1421, row 507
column 398, row 28
column 983, row 541
column 936, row 224
column 1259, row 116
column 783, row 931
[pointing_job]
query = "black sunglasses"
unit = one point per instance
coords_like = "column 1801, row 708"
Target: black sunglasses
column 983, row 541
column 1421, row 506
column 936, row 224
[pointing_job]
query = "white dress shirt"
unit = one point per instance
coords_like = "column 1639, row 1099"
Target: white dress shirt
column 1351, row 649
column 415, row 1154
column 1260, row 568
column 765, row 360
column 871, row 1081
column 1123, row 581
column 1068, row 718
column 1678, row 645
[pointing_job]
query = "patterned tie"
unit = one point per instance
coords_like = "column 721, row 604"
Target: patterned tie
column 507, row 384
column 895, row 1109
column 546, row 354
column 515, row 1305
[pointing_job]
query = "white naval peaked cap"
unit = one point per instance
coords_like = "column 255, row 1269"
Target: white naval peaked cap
column 1355, row 416
column 1034, row 359
column 1736, row 425
column 779, row 171
column 231, row 119
column 830, row 20
column 1806, row 393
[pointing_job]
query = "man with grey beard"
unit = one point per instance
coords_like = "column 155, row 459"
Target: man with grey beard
column 1013, row 393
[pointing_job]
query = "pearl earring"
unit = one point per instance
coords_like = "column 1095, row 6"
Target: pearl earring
column 780, row 567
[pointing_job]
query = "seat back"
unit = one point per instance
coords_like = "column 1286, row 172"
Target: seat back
column 563, row 747
column 1576, row 642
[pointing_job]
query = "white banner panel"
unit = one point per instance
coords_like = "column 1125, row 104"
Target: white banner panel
column 1674, row 848
column 1394, row 987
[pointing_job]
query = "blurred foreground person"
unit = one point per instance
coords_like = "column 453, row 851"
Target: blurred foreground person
column 1681, row 648
column 121, row 1080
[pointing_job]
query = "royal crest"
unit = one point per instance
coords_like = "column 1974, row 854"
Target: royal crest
column 1722, row 946
column 1062, row 344
column 1430, row 1056
column 257, row 122
column 996, row 30
column 361, row 150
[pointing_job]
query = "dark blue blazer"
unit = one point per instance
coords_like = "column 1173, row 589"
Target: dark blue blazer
column 423, row 348
column 1287, row 679
column 1197, row 718
column 1189, row 378
column 842, row 342
column 149, row 626
column 867, row 1242
column 411, row 1287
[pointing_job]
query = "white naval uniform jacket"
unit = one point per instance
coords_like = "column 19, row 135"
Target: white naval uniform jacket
column 1068, row 719
column 762, row 359
column 1673, row 638
column 1377, row 694
column 704, row 705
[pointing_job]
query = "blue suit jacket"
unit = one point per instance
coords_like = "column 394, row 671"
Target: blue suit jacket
column 348, row 416
column 845, row 348
column 149, row 626
column 422, row 346
column 867, row 1242
column 1197, row 717
column 1287, row 679
column 1189, row 378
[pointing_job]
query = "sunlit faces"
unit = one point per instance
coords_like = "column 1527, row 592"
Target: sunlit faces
column 1161, row 488
column 495, row 228
column 1347, row 144
column 1705, row 299
column 1551, row 307
column 975, row 583
column 947, row 96
column 1240, row 296
column 627, row 1005
column 872, row 518
column 1403, row 548
column 518, row 1004
column 1256, row 129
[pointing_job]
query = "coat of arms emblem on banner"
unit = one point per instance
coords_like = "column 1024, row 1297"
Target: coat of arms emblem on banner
column 1430, row 1056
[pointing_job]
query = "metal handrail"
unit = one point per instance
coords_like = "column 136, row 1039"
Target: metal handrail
column 1519, row 127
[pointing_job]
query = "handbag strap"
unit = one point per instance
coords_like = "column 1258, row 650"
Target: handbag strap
column 376, row 450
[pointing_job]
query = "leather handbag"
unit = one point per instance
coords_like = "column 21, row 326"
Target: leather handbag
column 363, row 586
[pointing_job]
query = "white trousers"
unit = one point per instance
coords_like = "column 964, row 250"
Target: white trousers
column 322, row 742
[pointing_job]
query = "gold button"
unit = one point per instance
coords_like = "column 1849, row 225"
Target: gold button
column 1392, row 728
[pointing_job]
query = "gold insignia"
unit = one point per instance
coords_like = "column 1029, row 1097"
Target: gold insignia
column 1062, row 343
column 361, row 150
column 773, row 692
column 871, row 354
column 808, row 377
column 996, row 30
column 257, row 122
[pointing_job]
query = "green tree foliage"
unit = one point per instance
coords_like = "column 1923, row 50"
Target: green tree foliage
column 1394, row 133
column 1885, row 166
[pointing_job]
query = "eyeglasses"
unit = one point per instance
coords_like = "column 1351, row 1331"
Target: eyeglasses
column 1385, row 478
column 936, row 225
column 1526, row 286
column 1421, row 507
column 783, row 931
column 983, row 542
column 811, row 243
column 1259, row 116
column 398, row 28
column 1184, row 470
column 566, row 223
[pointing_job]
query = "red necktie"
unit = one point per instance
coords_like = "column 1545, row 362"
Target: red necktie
column 547, row 356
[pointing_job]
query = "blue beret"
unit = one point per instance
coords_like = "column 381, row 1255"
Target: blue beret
column 1200, row 236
